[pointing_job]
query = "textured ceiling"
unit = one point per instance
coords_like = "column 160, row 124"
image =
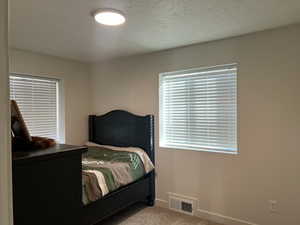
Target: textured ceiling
column 65, row 28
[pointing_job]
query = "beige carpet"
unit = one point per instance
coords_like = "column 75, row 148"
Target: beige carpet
column 138, row 215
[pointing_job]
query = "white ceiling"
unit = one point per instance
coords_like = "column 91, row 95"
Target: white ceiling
column 65, row 28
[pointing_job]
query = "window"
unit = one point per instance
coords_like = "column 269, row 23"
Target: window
column 39, row 103
column 198, row 109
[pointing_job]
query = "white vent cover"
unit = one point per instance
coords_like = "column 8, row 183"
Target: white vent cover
column 181, row 204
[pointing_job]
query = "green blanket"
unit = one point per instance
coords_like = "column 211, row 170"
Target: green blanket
column 117, row 167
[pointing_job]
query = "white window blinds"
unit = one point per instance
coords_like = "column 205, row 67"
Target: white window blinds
column 198, row 109
column 38, row 102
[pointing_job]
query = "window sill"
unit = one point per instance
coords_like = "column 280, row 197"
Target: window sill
column 199, row 149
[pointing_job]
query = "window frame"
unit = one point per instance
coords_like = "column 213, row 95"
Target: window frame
column 200, row 149
column 60, row 100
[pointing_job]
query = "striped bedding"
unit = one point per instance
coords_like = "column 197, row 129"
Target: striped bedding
column 107, row 168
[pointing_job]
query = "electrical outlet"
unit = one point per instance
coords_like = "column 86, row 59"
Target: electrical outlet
column 273, row 206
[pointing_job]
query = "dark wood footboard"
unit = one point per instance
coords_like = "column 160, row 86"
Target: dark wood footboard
column 139, row 191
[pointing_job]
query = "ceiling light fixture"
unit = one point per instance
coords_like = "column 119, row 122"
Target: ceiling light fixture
column 110, row 17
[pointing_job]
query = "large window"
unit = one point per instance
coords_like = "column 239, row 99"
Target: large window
column 198, row 109
column 38, row 102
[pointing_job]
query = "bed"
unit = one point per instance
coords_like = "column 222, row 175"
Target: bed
column 122, row 129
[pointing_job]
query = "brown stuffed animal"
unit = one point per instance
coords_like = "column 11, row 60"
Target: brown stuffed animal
column 21, row 139
column 41, row 142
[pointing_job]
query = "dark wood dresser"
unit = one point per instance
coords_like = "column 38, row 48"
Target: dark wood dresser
column 47, row 186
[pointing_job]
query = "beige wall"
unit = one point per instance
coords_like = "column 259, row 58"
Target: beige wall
column 76, row 82
column 268, row 165
column 5, row 158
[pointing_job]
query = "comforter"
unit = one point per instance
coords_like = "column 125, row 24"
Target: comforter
column 106, row 169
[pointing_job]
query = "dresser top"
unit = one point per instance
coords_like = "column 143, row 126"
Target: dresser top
column 56, row 151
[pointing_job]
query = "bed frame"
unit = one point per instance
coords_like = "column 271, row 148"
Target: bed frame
column 123, row 129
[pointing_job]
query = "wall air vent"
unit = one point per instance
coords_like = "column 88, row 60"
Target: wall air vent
column 181, row 204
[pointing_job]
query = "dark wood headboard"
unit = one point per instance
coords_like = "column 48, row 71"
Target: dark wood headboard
column 123, row 129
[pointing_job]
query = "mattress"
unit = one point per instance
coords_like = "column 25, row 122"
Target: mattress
column 106, row 169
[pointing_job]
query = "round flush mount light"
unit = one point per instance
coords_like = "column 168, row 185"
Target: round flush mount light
column 109, row 17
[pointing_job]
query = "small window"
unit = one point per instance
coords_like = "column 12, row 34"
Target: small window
column 38, row 101
column 198, row 109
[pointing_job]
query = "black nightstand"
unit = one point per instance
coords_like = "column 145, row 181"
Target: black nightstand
column 47, row 186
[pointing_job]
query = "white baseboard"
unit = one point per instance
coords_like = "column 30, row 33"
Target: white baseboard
column 161, row 203
column 219, row 218
column 211, row 216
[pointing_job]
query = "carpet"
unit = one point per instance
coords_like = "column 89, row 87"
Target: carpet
column 141, row 215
